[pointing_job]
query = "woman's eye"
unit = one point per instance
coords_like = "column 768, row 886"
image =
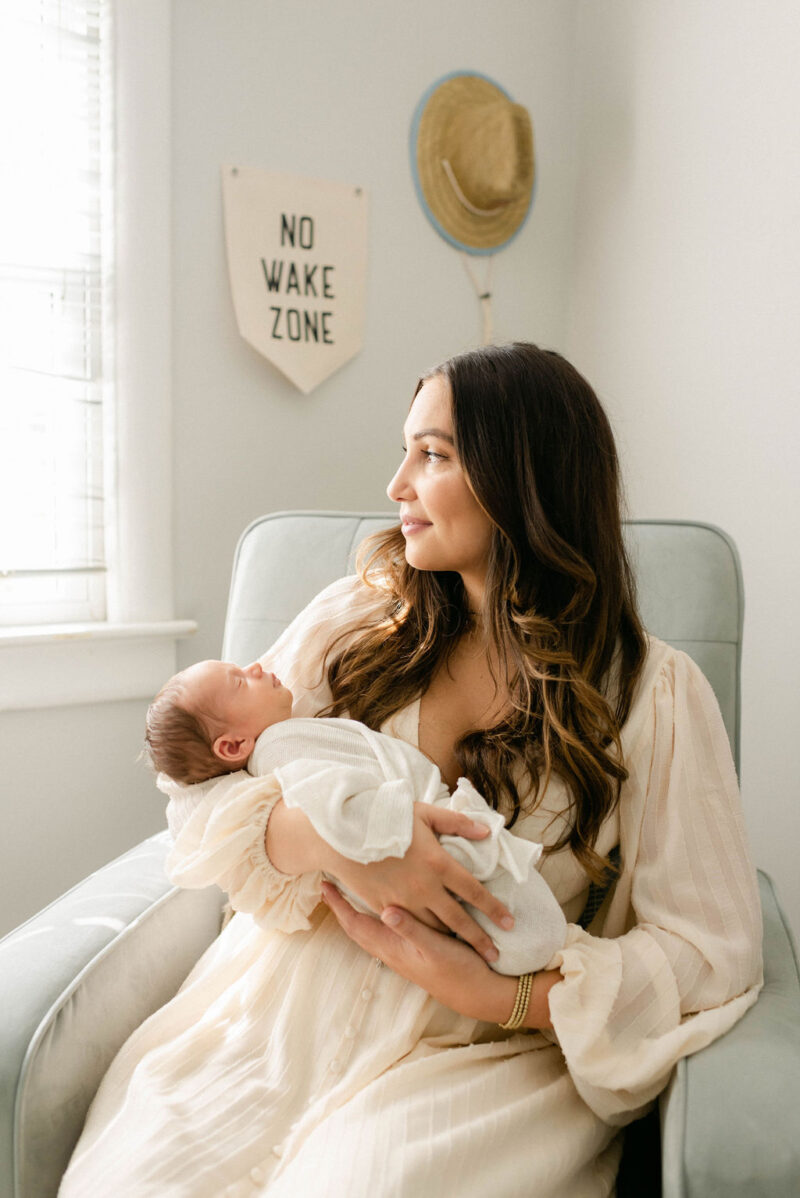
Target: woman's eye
column 430, row 455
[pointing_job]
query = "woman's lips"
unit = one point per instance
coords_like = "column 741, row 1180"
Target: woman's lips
column 409, row 527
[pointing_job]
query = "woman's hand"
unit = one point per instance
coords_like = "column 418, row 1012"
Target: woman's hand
column 427, row 881
column 446, row 968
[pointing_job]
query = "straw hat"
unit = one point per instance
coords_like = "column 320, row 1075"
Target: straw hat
column 472, row 161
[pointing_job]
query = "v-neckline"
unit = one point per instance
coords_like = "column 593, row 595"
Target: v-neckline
column 405, row 722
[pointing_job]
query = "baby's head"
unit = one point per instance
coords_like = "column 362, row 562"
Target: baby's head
column 206, row 720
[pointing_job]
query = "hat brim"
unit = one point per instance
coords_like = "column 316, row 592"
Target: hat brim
column 455, row 223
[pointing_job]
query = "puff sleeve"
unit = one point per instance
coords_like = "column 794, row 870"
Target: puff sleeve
column 222, row 842
column 678, row 961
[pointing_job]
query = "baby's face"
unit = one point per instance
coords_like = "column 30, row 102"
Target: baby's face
column 241, row 701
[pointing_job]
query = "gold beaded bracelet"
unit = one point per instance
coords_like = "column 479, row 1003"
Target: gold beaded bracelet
column 521, row 1003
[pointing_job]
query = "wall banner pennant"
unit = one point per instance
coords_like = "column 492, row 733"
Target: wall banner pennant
column 297, row 260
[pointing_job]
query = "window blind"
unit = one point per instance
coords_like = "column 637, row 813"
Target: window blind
column 55, row 204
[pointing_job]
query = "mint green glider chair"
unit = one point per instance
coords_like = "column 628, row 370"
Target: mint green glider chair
column 79, row 977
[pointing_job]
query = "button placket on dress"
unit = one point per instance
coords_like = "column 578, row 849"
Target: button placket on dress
column 347, row 1041
column 259, row 1174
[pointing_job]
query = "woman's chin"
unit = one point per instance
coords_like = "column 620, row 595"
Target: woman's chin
column 430, row 566
column 420, row 561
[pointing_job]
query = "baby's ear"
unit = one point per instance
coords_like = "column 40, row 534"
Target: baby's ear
column 232, row 749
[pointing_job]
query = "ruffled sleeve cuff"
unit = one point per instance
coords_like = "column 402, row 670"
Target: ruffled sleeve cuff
column 222, row 842
column 616, row 1016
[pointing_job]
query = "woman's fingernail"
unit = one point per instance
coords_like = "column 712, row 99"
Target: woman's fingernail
column 391, row 917
column 491, row 954
column 507, row 922
column 481, row 829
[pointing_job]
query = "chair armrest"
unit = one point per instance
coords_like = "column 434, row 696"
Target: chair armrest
column 74, row 983
column 729, row 1115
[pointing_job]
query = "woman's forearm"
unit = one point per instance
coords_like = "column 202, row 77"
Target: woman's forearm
column 292, row 844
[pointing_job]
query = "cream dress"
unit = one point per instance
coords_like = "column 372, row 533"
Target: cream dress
column 290, row 1064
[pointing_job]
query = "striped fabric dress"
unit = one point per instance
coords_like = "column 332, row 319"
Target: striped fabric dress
column 291, row 1064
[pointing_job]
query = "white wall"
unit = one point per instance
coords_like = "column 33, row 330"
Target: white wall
column 329, row 90
column 73, row 796
column 684, row 305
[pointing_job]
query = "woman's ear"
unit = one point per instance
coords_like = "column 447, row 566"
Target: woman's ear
column 232, row 749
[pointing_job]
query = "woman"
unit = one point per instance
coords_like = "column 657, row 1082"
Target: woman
column 497, row 629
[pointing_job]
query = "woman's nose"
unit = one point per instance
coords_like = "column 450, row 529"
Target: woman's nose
column 399, row 488
column 254, row 670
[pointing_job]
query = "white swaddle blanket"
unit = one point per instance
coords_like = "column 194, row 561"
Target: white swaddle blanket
column 358, row 787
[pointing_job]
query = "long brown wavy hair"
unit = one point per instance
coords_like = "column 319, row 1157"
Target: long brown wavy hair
column 559, row 605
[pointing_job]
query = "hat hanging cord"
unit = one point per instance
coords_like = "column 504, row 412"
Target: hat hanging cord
column 484, row 294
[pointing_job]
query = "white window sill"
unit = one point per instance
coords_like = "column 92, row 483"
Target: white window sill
column 61, row 664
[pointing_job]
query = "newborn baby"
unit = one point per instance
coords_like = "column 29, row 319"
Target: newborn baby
column 356, row 786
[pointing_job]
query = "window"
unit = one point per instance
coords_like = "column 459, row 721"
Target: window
column 55, row 209
column 71, row 653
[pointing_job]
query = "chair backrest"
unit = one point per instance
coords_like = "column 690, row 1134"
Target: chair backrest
column 688, row 576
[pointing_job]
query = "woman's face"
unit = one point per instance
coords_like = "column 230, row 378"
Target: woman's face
column 444, row 526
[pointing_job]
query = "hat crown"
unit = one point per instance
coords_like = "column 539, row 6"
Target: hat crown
column 473, row 161
column 489, row 145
